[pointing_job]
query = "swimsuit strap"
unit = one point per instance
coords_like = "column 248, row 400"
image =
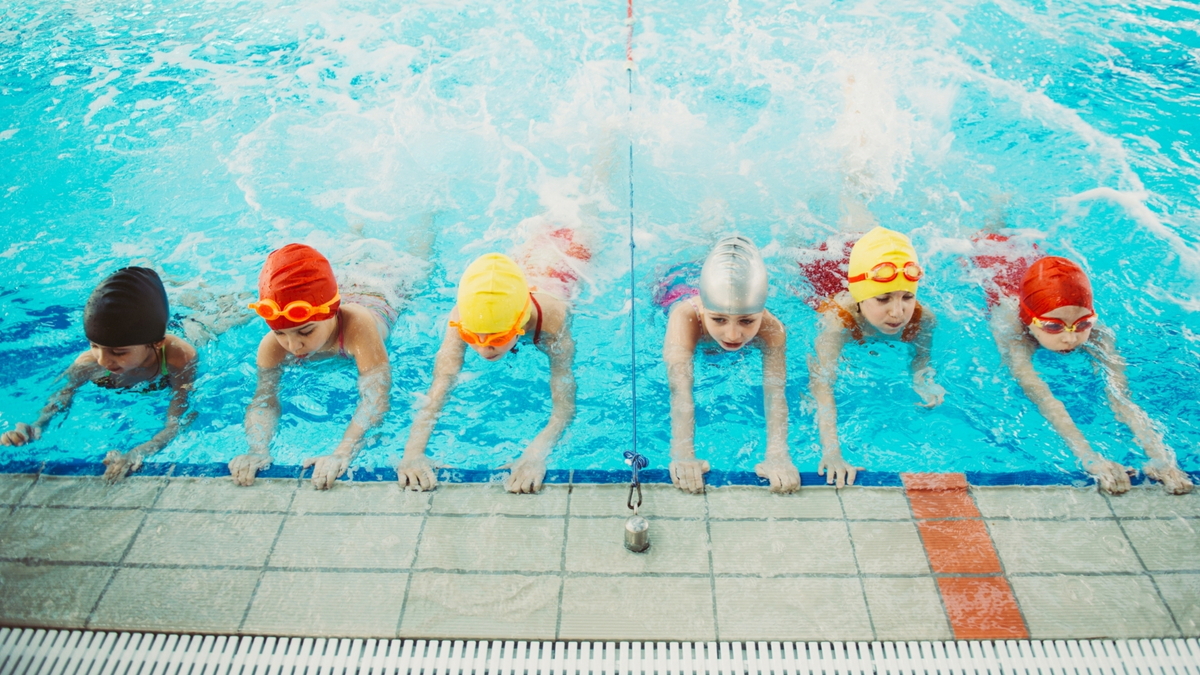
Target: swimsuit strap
column 913, row 327
column 848, row 321
column 691, row 300
column 162, row 356
column 537, row 330
column 341, row 335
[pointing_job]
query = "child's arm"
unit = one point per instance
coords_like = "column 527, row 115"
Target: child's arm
column 79, row 372
column 777, row 467
column 181, row 365
column 415, row 470
column 364, row 343
column 679, row 350
column 530, row 469
column 262, row 415
column 932, row 394
column 1162, row 466
column 822, row 374
column 1017, row 354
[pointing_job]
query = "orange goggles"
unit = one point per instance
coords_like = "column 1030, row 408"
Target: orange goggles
column 886, row 271
column 492, row 339
column 297, row 311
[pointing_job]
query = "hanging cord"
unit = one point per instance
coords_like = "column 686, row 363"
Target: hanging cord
column 632, row 295
column 636, row 462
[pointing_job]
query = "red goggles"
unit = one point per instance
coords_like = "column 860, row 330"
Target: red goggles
column 1056, row 326
column 492, row 339
column 297, row 311
column 886, row 271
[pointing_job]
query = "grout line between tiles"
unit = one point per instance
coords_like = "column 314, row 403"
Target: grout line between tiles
column 128, row 547
column 712, row 571
column 267, row 560
column 416, row 553
column 862, row 586
column 1145, row 569
column 562, row 563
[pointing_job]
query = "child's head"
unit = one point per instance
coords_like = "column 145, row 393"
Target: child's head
column 733, row 290
column 1056, row 304
column 883, row 278
column 298, row 295
column 125, row 318
column 493, row 305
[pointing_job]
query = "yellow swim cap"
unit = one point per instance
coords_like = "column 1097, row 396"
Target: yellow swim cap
column 492, row 295
column 878, row 247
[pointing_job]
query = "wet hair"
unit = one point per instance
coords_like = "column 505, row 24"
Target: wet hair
column 128, row 308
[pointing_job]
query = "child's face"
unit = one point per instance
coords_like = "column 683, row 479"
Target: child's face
column 495, row 353
column 889, row 313
column 1065, row 341
column 306, row 338
column 120, row 359
column 732, row 331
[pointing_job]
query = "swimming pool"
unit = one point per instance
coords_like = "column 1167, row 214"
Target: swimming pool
column 200, row 136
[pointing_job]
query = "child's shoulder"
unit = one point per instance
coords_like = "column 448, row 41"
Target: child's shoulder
column 180, row 353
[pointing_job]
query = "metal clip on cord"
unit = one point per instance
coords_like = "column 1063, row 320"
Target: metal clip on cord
column 635, row 461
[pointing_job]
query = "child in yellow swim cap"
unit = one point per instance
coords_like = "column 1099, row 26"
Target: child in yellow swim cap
column 496, row 308
column 877, row 301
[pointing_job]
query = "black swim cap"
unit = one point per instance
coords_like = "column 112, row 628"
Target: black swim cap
column 128, row 308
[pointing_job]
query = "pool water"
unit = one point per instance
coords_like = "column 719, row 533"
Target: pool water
column 199, row 136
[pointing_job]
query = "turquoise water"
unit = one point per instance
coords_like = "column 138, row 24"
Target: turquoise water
column 198, row 136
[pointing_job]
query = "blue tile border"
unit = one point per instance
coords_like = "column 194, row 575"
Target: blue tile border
column 553, row 476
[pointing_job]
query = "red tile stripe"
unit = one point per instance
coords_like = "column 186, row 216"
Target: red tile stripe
column 979, row 600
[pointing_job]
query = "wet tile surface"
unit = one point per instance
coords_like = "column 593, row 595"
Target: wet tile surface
column 1075, row 546
column 1182, row 593
column 492, row 543
column 222, row 494
column 1068, row 607
column 1149, row 501
column 1037, row 502
column 471, row 605
column 133, row 492
column 351, row 497
column 888, row 548
column 662, row 501
column 864, row 503
column 1166, row 544
column 200, row 600
column 493, row 499
column 68, row 534
column 49, row 595
column 382, row 542
column 800, row 609
column 667, row 608
column 783, row 547
column 13, row 487
column 333, row 604
column 598, row 545
column 810, row 503
column 906, row 609
column 205, row 539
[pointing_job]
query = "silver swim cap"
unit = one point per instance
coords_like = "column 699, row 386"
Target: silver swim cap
column 734, row 278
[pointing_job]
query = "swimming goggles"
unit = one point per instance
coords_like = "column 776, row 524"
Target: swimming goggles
column 297, row 311
column 1056, row 326
column 886, row 271
column 492, row 339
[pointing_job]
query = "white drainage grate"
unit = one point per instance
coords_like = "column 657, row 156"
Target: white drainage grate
column 54, row 652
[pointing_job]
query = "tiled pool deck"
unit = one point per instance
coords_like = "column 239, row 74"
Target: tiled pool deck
column 738, row 563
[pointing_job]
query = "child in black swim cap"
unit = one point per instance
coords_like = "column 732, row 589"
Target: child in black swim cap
column 125, row 321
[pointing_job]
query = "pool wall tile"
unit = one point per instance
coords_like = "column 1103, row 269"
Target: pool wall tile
column 792, row 609
column 1070, row 607
column 597, row 545
column 133, row 492
column 1067, row 547
column 500, row 606
column 492, row 499
column 370, row 542
column 737, row 502
column 492, row 543
column 53, row 596
column 327, row 604
column 782, row 547
column 212, row 601
column 205, row 538
column 637, row 608
column 68, row 535
column 906, row 608
column 222, row 494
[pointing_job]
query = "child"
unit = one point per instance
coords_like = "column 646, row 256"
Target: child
column 311, row 320
column 125, row 321
column 731, row 312
column 1051, row 307
column 496, row 307
column 879, row 303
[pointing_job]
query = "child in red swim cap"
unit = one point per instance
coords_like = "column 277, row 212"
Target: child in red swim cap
column 311, row 318
column 1051, row 307
column 125, row 321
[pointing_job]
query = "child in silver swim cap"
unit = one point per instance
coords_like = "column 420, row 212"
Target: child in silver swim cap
column 728, row 308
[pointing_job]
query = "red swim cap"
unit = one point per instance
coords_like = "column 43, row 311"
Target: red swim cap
column 1053, row 282
column 297, row 272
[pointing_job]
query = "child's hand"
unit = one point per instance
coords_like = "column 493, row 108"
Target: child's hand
column 22, row 434
column 326, row 469
column 781, row 472
column 688, row 474
column 1175, row 481
column 841, row 472
column 243, row 467
column 119, row 464
column 416, row 473
column 1112, row 477
column 527, row 475
column 932, row 394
